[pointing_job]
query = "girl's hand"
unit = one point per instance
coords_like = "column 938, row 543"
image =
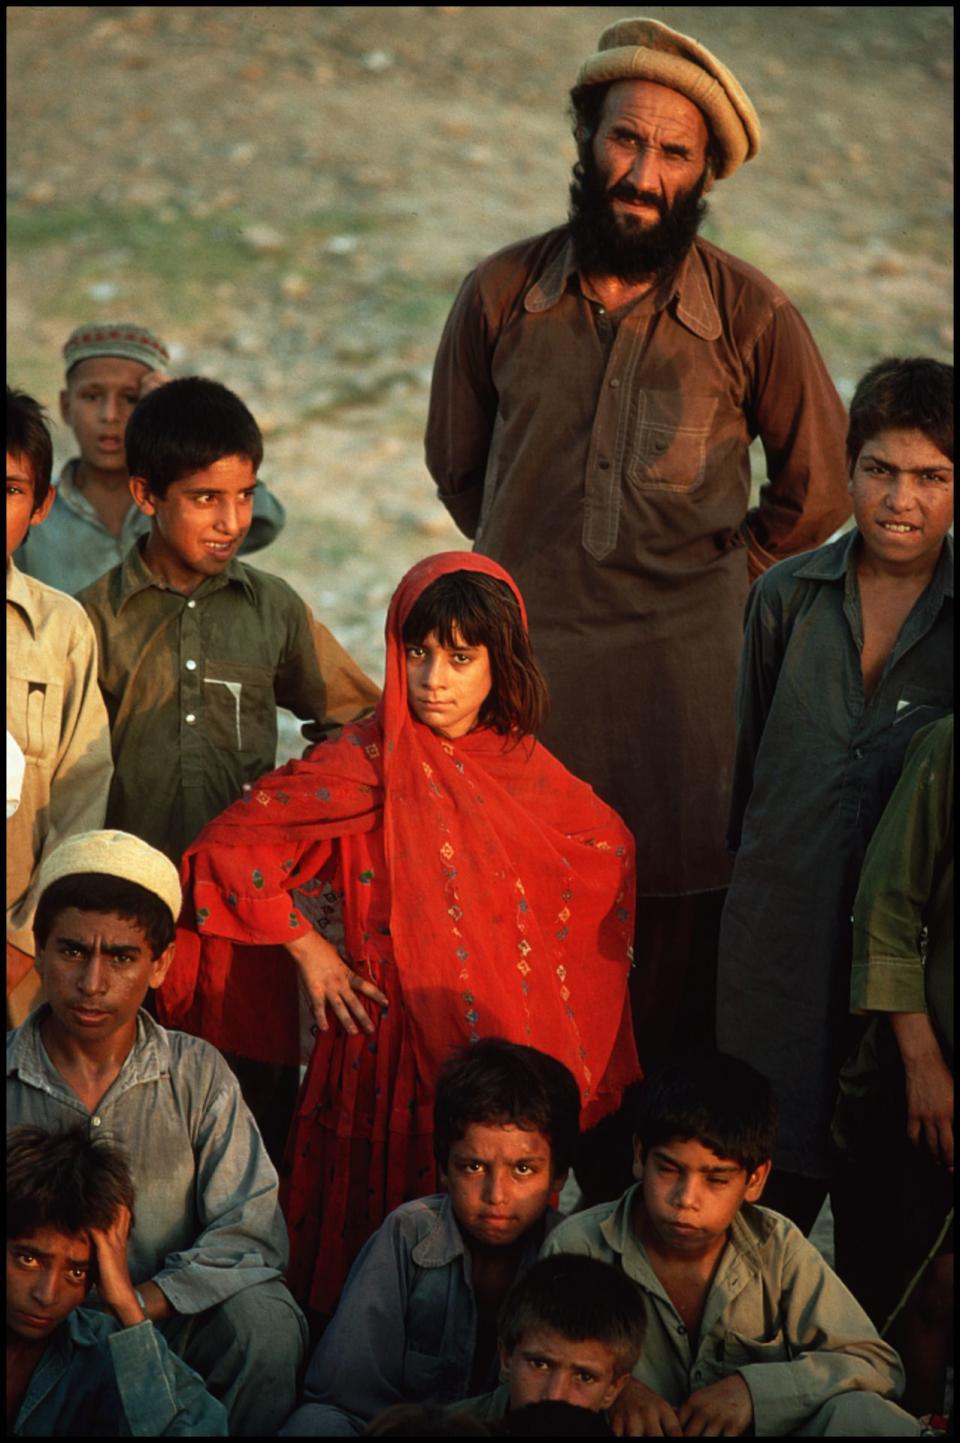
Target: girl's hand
column 113, row 1274
column 329, row 981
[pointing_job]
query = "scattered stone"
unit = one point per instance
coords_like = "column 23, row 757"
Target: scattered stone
column 264, row 239
column 43, row 193
column 377, row 60
column 243, row 153
column 295, row 286
column 341, row 245
column 104, row 291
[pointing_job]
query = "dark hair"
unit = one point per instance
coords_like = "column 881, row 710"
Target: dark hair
column 580, row 1298
column 725, row 1104
column 425, row 1420
column 551, row 1418
column 65, row 1180
column 185, row 426
column 494, row 1081
column 586, row 111
column 28, row 435
column 903, row 395
column 485, row 612
column 100, row 892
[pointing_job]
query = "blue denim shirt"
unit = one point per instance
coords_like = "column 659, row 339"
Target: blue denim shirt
column 207, row 1220
column 96, row 1379
column 406, row 1327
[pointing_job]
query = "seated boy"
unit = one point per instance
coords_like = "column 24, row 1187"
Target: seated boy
column 417, row 1318
column 55, row 712
column 110, row 366
column 197, row 650
column 893, row 1126
column 848, row 651
column 72, row 1371
column 747, row 1328
column 570, row 1331
column 210, row 1244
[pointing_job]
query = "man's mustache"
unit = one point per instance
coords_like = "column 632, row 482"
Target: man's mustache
column 623, row 190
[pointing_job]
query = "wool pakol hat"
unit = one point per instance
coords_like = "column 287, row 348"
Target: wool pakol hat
column 647, row 50
column 115, row 338
column 115, row 854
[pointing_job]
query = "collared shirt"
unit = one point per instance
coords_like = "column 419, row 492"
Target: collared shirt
column 96, row 1379
column 56, row 715
column 775, row 1313
column 74, row 547
column 604, row 462
column 406, row 1326
column 192, row 685
column 816, row 763
column 208, row 1224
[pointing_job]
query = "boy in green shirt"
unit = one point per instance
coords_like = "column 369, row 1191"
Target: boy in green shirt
column 197, row 649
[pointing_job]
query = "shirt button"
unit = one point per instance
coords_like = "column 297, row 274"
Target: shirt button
column 191, row 605
column 681, row 1330
column 614, row 383
column 601, row 311
column 95, row 1121
column 858, row 754
column 603, row 465
column 191, row 666
column 190, row 718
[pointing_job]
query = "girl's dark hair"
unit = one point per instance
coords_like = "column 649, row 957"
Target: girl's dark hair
column 493, row 1082
column 28, row 435
column 485, row 612
column 580, row 1298
column 99, row 892
column 721, row 1102
column 903, row 395
column 66, row 1180
column 185, row 426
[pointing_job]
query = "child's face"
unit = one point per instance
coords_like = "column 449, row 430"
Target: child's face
column 447, row 686
column 902, row 490
column 499, row 1178
column 96, row 969
column 691, row 1196
column 21, row 490
column 547, row 1367
column 96, row 405
column 48, row 1274
column 199, row 525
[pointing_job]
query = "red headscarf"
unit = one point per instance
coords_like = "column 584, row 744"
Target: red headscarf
column 510, row 882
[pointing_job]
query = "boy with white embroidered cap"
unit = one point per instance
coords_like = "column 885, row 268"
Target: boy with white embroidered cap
column 210, row 1245
column 110, row 366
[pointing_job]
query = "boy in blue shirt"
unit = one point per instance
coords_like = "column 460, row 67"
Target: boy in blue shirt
column 418, row 1315
column 74, row 1371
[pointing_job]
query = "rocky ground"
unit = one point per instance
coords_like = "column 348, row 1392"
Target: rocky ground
column 291, row 195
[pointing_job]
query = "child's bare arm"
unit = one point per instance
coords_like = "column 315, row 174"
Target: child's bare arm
column 639, row 1412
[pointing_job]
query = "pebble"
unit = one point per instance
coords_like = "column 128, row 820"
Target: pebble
column 264, row 239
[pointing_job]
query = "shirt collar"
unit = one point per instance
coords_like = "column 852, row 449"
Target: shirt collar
column 147, row 1061
column 833, row 561
column 688, row 286
column 443, row 1242
column 71, row 496
column 21, row 596
column 136, row 576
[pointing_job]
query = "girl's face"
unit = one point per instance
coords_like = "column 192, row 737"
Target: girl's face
column 448, row 685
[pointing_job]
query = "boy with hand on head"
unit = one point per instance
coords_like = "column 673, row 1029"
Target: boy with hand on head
column 74, row 1371
column 747, row 1328
column 55, row 712
column 570, row 1331
column 848, row 651
column 197, row 650
column 110, row 366
column 210, row 1244
column 418, row 1316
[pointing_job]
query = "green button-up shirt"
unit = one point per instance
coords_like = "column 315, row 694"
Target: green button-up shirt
column 776, row 1314
column 192, row 685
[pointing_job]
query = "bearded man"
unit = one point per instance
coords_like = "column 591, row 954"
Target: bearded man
column 595, row 394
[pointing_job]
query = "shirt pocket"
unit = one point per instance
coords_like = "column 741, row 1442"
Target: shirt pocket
column 667, row 441
column 240, row 710
column 34, row 712
column 738, row 1350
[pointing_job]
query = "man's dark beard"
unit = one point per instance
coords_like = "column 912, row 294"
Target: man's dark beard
column 610, row 246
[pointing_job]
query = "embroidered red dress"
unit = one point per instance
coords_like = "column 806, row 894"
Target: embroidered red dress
column 484, row 890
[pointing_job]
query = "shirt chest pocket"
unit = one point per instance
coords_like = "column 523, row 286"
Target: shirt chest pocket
column 239, row 708
column 667, row 441
column 34, row 711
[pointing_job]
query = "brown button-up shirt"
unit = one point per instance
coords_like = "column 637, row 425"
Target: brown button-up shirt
column 192, row 685
column 604, row 462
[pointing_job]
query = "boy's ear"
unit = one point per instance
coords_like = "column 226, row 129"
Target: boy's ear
column 161, row 965
column 637, row 1158
column 65, row 406
column 559, row 1179
column 143, row 496
column 41, row 512
column 757, row 1181
column 504, row 1355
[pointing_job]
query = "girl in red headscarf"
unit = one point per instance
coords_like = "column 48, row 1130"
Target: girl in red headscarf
column 483, row 891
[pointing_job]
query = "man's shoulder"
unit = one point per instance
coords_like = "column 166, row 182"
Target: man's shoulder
column 260, row 588
column 505, row 273
column 101, row 596
column 824, row 563
column 727, row 270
